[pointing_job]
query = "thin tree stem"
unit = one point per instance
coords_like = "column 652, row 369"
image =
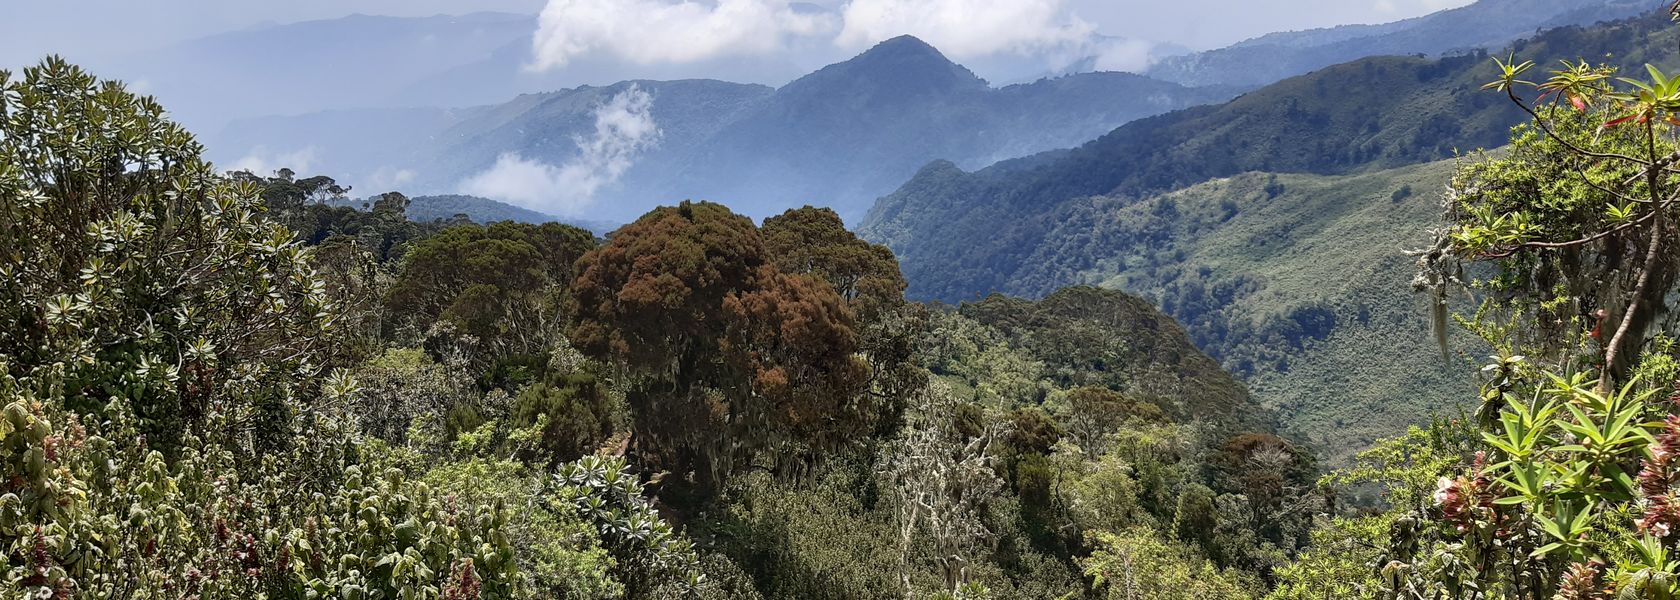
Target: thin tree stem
column 1652, row 254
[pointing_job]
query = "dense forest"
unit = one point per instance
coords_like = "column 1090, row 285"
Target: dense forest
column 225, row 384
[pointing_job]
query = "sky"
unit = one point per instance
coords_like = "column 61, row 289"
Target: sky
column 704, row 28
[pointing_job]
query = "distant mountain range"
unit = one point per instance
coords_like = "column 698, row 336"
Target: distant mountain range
column 478, row 210
column 839, row 137
column 354, row 61
column 1483, row 24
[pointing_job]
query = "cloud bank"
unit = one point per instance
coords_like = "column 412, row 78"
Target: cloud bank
column 965, row 28
column 650, row 32
column 624, row 129
column 661, row 31
column 262, row 161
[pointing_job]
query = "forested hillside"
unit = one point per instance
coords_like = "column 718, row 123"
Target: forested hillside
column 962, row 233
column 1273, row 226
column 1244, row 262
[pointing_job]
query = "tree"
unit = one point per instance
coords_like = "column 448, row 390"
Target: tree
column 815, row 241
column 503, row 284
column 1571, row 492
column 733, row 358
column 126, row 262
column 169, row 425
column 1092, row 413
column 1137, row 564
column 1577, row 218
column 573, row 412
column 943, row 482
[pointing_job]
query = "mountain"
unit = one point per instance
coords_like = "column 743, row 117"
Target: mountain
column 840, row 137
column 447, row 207
column 479, row 210
column 847, row 133
column 1241, row 220
column 1483, row 24
column 1244, row 262
column 546, row 127
column 357, row 61
column 962, row 234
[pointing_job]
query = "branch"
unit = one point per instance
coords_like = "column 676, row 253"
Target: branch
column 1541, row 123
column 1588, row 180
column 1572, row 243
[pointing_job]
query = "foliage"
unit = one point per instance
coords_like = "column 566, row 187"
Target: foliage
column 1569, row 493
column 608, row 495
column 574, row 412
column 828, row 538
column 816, row 242
column 175, row 420
column 942, row 482
column 93, row 511
column 159, row 284
column 732, row 355
column 1137, row 564
column 697, row 407
column 500, row 286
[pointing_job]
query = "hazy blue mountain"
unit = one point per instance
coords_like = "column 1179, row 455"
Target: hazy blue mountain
column 848, row 133
column 839, row 137
column 1484, row 24
column 478, row 210
column 547, row 126
column 350, row 62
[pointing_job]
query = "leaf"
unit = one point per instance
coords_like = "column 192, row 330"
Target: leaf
column 1546, row 549
column 1656, row 75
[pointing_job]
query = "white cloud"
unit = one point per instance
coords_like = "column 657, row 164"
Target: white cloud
column 1435, row 5
column 1118, row 54
column 390, row 178
column 650, row 32
column 662, row 31
column 966, row 28
column 261, row 161
column 624, row 128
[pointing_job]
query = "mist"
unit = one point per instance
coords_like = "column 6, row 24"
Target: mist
column 624, row 129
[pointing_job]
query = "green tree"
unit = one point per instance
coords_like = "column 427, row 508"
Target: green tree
column 1138, row 564
column 1569, row 494
column 169, row 427
column 503, row 285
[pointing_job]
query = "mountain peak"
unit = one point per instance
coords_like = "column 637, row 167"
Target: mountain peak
column 904, row 64
column 904, row 44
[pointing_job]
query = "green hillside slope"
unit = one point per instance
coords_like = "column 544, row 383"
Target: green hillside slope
column 1091, row 337
column 1299, row 283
